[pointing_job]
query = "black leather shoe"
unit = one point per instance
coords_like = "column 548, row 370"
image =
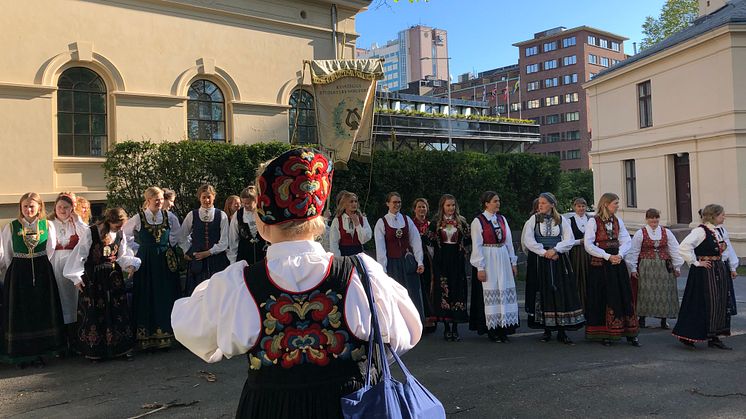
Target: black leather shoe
column 546, row 337
column 664, row 323
column 454, row 334
column 634, row 341
column 717, row 343
column 563, row 338
column 689, row 344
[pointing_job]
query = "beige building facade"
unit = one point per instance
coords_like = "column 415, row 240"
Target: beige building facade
column 80, row 76
column 669, row 125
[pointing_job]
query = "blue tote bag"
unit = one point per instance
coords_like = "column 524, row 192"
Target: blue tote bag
column 389, row 399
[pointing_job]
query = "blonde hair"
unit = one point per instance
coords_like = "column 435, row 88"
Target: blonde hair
column 555, row 214
column 315, row 226
column 150, row 193
column 605, row 200
column 249, row 192
column 68, row 197
column 33, row 196
column 710, row 212
column 79, row 202
column 206, row 188
column 342, row 200
column 227, row 208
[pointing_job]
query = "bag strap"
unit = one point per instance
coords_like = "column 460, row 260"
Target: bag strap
column 375, row 333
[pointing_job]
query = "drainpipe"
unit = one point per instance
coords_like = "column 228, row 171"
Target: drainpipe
column 334, row 29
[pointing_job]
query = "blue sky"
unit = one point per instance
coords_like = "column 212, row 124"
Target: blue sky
column 482, row 32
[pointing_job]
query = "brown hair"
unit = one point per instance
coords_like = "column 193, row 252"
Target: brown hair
column 33, row 196
column 710, row 211
column 111, row 216
column 417, row 201
column 441, row 214
column 652, row 213
column 169, row 194
column 342, row 199
column 150, row 193
column 79, row 203
column 605, row 200
column 392, row 194
column 206, row 188
column 248, row 192
column 227, row 208
column 486, row 197
column 68, row 197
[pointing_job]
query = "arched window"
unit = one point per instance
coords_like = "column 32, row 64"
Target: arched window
column 81, row 113
column 205, row 112
column 302, row 105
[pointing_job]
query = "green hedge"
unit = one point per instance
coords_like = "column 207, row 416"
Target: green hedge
column 133, row 166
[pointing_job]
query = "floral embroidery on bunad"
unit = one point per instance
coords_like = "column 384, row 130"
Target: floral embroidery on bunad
column 303, row 329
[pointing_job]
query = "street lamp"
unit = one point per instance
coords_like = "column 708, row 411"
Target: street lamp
column 448, row 81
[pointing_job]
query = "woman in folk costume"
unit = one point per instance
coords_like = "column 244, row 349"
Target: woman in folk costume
column 350, row 229
column 579, row 258
column 302, row 315
column 156, row 283
column 204, row 239
column 232, row 205
column 105, row 328
column 32, row 315
column 450, row 235
column 494, row 303
column 399, row 249
column 654, row 262
column 706, row 307
column 556, row 303
column 609, row 309
column 244, row 240
column 71, row 231
column 421, row 209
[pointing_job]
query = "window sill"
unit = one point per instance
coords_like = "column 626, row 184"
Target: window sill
column 66, row 159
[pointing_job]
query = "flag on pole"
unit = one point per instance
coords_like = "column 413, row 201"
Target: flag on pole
column 484, row 93
column 517, row 85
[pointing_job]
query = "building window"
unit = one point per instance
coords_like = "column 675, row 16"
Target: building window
column 533, row 104
column 572, row 59
column 552, row 138
column 644, row 99
column 592, row 59
column 571, row 97
column 572, row 116
column 572, row 155
column 303, row 109
column 591, row 40
column 550, row 64
column 591, row 76
column 553, row 82
column 570, row 78
column 603, row 43
column 604, row 62
column 614, row 62
column 556, row 154
column 615, row 46
column 532, row 85
column 532, row 51
column 572, row 135
column 515, row 107
column 532, row 68
column 81, row 113
column 205, row 112
column 568, row 42
column 550, row 46
column 551, row 101
column 552, row 119
column 631, row 183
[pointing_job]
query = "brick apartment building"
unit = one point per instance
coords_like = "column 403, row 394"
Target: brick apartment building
column 553, row 65
column 490, row 86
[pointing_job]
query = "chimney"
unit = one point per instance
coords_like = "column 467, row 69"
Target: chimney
column 708, row 6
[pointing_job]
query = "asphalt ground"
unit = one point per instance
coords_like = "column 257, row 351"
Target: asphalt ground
column 474, row 378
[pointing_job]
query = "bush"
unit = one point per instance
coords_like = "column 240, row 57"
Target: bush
column 574, row 185
column 131, row 167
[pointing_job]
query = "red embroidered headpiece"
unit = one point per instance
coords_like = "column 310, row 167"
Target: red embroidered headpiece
column 294, row 187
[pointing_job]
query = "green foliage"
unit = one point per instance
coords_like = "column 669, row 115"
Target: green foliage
column 131, row 167
column 574, row 185
column 473, row 117
column 675, row 16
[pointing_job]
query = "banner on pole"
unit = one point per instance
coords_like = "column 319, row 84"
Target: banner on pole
column 345, row 92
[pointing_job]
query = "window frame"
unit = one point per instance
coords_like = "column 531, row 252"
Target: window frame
column 630, row 183
column 76, row 117
column 645, row 104
column 311, row 109
column 203, row 122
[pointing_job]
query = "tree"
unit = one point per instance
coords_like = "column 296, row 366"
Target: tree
column 675, row 16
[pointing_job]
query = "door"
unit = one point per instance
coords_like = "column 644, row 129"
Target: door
column 683, row 189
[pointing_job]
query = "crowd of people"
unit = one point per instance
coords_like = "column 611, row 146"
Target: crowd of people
column 108, row 289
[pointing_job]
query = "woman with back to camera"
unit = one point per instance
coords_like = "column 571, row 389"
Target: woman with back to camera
column 302, row 357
